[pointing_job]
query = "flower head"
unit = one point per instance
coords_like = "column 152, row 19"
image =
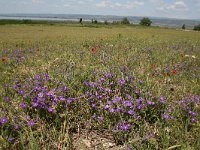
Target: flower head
column 3, row 120
column 23, row 105
column 93, row 49
column 174, row 71
column 31, row 122
column 121, row 81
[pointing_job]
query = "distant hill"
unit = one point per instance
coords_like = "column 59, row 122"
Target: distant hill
column 168, row 22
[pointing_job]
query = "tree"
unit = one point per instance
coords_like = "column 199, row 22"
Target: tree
column 125, row 21
column 106, row 22
column 80, row 20
column 197, row 28
column 145, row 22
column 95, row 21
column 183, row 27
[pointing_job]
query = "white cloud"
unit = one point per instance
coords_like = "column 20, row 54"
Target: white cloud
column 179, row 5
column 127, row 5
column 103, row 4
column 37, row 1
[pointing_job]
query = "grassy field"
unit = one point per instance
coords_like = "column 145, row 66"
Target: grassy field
column 72, row 86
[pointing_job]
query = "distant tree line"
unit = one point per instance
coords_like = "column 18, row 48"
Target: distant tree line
column 197, row 28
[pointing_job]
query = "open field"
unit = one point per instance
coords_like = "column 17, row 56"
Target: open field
column 65, row 86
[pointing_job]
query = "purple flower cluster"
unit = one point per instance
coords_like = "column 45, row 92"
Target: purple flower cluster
column 189, row 107
column 120, row 103
column 40, row 95
column 122, row 126
column 18, row 55
column 115, row 97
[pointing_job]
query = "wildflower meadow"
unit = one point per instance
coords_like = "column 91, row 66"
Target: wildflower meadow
column 99, row 87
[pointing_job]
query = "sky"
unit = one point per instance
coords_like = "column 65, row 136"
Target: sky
column 183, row 9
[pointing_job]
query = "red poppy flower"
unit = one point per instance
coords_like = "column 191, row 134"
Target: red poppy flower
column 153, row 65
column 93, row 49
column 174, row 71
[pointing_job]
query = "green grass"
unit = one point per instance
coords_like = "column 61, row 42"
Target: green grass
column 64, row 51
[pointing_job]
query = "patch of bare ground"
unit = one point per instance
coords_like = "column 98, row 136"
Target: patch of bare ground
column 94, row 140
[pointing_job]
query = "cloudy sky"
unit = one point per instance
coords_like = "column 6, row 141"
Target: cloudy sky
column 189, row 9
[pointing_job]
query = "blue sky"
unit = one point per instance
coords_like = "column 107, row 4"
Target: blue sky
column 189, row 9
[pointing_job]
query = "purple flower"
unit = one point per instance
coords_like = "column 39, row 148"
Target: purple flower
column 136, row 91
column 50, row 93
column 50, row 109
column 106, row 106
column 101, row 79
column 65, row 88
column 150, row 102
column 93, row 84
column 23, row 105
column 127, row 103
column 192, row 113
column 31, row 123
column 3, row 120
column 119, row 108
column 139, row 100
column 16, row 126
column 121, row 81
column 37, row 77
column 108, row 75
column 140, row 106
column 166, row 116
column 34, row 104
column 46, row 76
column 61, row 98
column 107, row 90
column 193, row 120
column 128, row 147
column 162, row 99
column 14, row 86
column 5, row 85
column 69, row 100
column 94, row 116
column 7, row 98
column 123, row 126
column 21, row 92
column 112, row 110
column 86, row 83
column 36, row 88
column 41, row 94
column 11, row 139
column 129, row 96
column 140, row 81
column 109, row 102
column 93, row 105
column 116, row 99
column 130, row 112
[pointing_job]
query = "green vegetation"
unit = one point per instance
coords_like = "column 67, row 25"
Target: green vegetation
column 81, row 20
column 65, row 86
column 183, row 27
column 197, row 28
column 125, row 21
column 145, row 22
